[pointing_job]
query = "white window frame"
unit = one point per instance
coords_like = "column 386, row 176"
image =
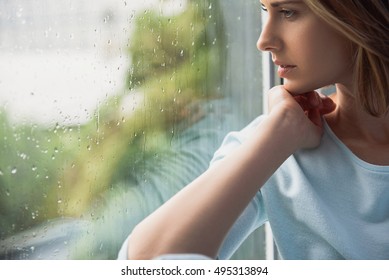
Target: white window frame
column 269, row 80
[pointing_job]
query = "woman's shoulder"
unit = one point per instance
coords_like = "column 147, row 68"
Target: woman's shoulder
column 239, row 136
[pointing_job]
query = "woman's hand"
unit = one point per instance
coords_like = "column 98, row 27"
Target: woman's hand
column 303, row 114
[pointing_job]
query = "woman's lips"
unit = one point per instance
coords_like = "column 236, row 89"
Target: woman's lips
column 284, row 70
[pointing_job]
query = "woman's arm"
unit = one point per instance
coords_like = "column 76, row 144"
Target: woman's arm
column 197, row 219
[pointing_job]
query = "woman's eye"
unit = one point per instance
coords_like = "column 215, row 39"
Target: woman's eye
column 263, row 8
column 287, row 13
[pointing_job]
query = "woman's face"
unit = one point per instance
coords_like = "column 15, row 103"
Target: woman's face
column 308, row 52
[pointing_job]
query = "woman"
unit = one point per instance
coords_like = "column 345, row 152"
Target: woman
column 316, row 168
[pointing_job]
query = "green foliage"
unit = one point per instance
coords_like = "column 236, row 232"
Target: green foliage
column 66, row 171
column 29, row 168
column 189, row 44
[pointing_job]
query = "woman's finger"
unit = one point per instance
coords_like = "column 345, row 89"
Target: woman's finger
column 319, row 101
column 327, row 106
column 315, row 117
column 314, row 99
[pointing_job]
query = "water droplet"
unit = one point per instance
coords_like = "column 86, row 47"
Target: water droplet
column 88, row 147
column 14, row 170
column 34, row 168
column 59, row 201
column 19, row 13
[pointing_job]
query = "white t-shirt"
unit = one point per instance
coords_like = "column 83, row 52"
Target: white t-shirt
column 322, row 203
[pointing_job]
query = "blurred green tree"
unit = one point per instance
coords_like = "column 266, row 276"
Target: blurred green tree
column 63, row 171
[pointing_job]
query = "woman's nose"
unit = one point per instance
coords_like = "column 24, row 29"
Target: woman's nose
column 268, row 40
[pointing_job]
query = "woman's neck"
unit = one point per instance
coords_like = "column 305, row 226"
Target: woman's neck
column 365, row 135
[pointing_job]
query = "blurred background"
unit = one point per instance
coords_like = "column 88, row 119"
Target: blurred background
column 108, row 108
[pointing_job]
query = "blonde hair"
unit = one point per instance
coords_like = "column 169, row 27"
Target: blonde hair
column 366, row 25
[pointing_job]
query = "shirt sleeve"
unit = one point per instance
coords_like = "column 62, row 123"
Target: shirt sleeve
column 254, row 215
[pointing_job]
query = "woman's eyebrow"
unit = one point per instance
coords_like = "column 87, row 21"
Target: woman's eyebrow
column 278, row 3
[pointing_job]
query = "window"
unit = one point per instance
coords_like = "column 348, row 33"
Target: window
column 108, row 108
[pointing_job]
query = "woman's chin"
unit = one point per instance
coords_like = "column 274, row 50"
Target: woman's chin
column 297, row 89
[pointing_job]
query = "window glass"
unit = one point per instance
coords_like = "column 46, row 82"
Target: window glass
column 107, row 108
